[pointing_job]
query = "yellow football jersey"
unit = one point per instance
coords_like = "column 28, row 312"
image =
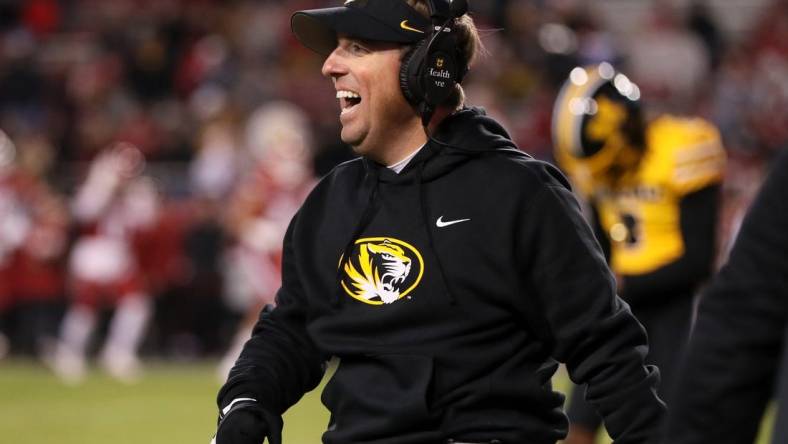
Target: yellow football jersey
column 641, row 214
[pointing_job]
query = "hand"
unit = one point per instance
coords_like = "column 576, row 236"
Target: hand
column 247, row 423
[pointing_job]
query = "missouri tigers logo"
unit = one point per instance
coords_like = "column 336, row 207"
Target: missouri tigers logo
column 382, row 270
column 606, row 123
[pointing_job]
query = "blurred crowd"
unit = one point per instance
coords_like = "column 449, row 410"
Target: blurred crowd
column 153, row 151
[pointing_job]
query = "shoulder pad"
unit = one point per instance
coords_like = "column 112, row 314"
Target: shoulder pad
column 686, row 153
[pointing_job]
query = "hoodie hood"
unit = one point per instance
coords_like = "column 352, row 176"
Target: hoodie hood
column 460, row 137
column 472, row 130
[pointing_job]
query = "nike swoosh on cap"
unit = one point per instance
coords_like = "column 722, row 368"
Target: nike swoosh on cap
column 404, row 25
column 441, row 223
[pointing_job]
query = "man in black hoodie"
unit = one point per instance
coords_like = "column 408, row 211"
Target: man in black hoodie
column 446, row 270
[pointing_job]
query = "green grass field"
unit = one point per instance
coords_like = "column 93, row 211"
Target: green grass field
column 172, row 404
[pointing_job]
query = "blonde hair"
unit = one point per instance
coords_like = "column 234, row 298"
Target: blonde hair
column 468, row 40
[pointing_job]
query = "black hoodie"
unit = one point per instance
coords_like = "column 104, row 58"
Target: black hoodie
column 449, row 293
column 733, row 358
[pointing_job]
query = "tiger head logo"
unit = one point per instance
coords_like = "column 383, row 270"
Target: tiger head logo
column 382, row 271
column 606, row 125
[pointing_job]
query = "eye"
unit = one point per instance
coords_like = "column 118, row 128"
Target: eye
column 357, row 48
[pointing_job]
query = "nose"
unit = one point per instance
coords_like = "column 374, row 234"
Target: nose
column 333, row 66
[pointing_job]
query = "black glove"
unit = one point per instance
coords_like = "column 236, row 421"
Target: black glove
column 248, row 423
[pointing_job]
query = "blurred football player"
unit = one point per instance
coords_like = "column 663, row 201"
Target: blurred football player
column 114, row 206
column 12, row 232
column 33, row 228
column 277, row 138
column 652, row 189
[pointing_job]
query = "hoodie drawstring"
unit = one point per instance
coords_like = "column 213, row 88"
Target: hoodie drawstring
column 363, row 221
column 423, row 208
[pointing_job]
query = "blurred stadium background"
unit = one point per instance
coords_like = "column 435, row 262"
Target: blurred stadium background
column 181, row 133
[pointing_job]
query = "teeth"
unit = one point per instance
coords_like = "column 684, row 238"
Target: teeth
column 347, row 95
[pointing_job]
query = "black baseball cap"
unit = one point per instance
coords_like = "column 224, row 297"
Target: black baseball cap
column 377, row 20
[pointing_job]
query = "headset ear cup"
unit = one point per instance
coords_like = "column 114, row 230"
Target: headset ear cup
column 403, row 75
column 410, row 74
column 439, row 70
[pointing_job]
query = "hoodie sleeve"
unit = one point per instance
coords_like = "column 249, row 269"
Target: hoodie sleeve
column 587, row 326
column 280, row 362
column 734, row 353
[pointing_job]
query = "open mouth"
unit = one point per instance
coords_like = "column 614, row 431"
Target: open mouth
column 348, row 100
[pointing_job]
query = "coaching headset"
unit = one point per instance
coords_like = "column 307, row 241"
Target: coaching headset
column 433, row 68
column 430, row 70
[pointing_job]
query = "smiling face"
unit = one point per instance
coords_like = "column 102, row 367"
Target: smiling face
column 376, row 119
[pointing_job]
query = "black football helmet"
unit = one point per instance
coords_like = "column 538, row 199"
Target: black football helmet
column 597, row 121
